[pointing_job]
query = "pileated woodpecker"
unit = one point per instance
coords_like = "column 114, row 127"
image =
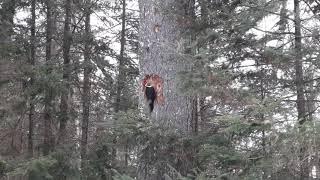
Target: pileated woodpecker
column 152, row 87
column 151, row 96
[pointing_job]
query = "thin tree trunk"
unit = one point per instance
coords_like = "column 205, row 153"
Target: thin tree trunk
column 283, row 16
column 195, row 116
column 7, row 12
column 6, row 19
column 32, row 63
column 298, row 65
column 64, row 106
column 48, row 143
column 205, row 22
column 192, row 160
column 190, row 14
column 121, row 76
column 262, row 86
column 204, row 11
column 86, row 90
column 301, row 105
column 311, row 108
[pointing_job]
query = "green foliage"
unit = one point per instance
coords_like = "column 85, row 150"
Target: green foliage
column 247, row 127
column 162, row 149
column 40, row 169
column 165, row 150
column 100, row 160
column 119, row 176
column 65, row 166
column 56, row 166
column 3, row 168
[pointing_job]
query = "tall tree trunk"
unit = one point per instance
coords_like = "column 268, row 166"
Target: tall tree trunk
column 205, row 22
column 311, row 109
column 160, row 35
column 261, row 117
column 190, row 14
column 32, row 63
column 121, row 77
column 298, row 65
column 7, row 12
column 301, row 105
column 204, row 11
column 161, row 25
column 48, row 143
column 6, row 19
column 86, row 89
column 283, row 16
column 64, row 106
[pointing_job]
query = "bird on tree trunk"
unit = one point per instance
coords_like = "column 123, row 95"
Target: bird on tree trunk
column 152, row 86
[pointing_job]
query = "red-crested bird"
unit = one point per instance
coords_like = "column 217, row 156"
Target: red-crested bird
column 152, row 86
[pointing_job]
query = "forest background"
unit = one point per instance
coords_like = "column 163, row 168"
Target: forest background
column 241, row 88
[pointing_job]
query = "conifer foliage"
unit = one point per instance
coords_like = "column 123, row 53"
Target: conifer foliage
column 159, row 89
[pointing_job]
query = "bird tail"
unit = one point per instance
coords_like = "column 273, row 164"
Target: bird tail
column 151, row 105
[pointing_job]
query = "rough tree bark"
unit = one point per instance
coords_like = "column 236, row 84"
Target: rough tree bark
column 64, row 104
column 86, row 88
column 48, row 143
column 299, row 82
column 32, row 63
column 160, row 35
column 162, row 46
